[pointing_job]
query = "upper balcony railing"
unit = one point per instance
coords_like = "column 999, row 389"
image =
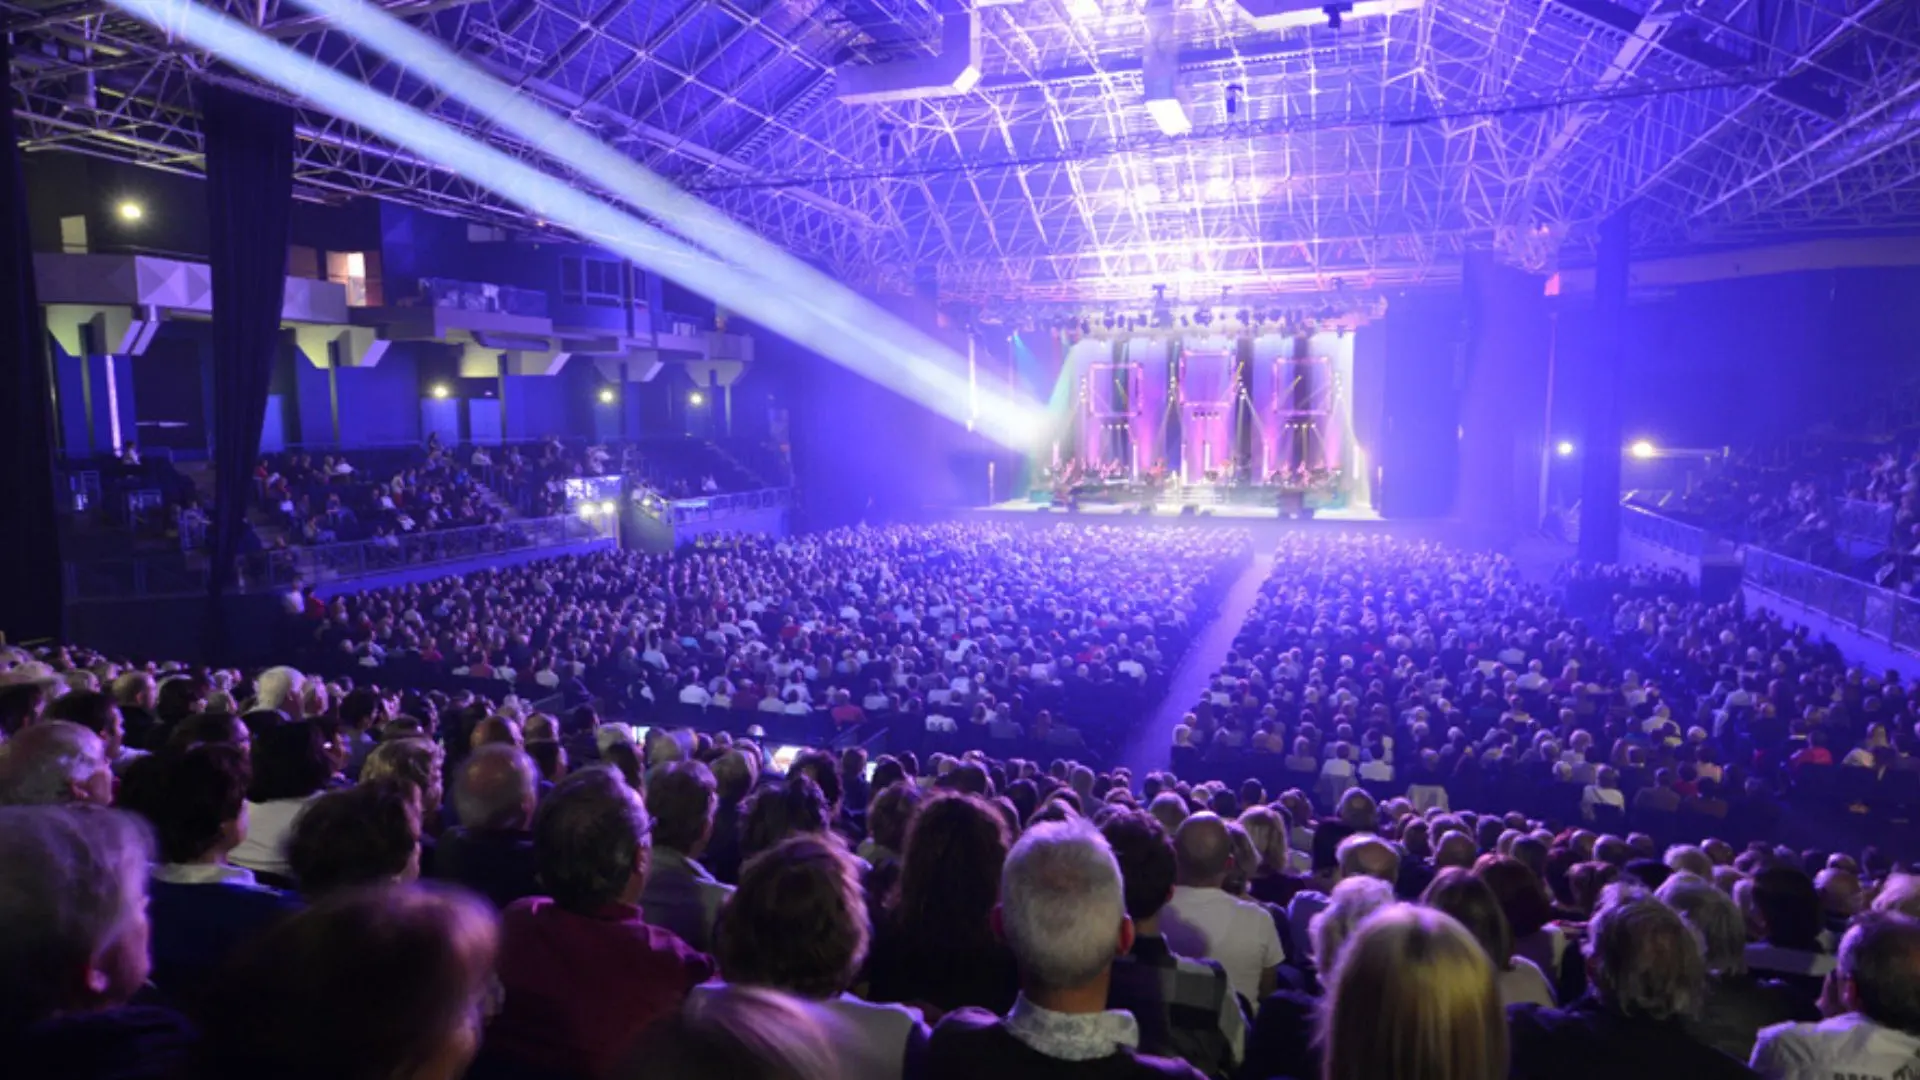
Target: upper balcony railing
column 1873, row 611
column 1654, row 528
column 482, row 296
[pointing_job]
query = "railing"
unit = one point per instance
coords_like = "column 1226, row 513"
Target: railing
column 482, row 296
column 1868, row 521
column 711, row 507
column 159, row 576
column 1865, row 607
column 1663, row 531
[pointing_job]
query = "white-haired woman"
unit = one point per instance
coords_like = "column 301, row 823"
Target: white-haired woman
column 1283, row 1041
column 73, row 948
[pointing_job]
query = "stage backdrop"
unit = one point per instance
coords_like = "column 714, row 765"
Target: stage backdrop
column 1209, row 398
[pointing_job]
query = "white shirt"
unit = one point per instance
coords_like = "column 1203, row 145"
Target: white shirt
column 1850, row 1046
column 1525, row 983
column 1378, row 771
column 268, row 826
column 1209, row 924
column 695, row 694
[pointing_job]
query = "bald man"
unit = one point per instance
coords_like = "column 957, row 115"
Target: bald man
column 1204, row 922
column 491, row 852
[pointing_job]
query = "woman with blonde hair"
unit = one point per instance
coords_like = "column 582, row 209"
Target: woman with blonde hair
column 1413, row 997
column 1270, row 882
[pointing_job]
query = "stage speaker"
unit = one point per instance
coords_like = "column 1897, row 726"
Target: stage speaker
column 1190, row 510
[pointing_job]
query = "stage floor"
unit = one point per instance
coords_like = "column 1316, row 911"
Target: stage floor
column 1171, row 509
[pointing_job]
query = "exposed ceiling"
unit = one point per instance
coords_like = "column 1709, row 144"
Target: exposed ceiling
column 1368, row 156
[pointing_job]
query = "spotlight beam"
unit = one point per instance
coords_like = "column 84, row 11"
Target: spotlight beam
column 912, row 369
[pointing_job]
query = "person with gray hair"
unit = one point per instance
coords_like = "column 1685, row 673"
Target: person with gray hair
column 1873, row 1027
column 1738, row 1003
column 584, row 973
column 1648, row 976
column 1688, row 859
column 1063, row 914
column 1284, row 1041
column 491, row 850
column 73, row 947
column 1359, row 855
column 279, row 688
column 55, row 762
column 1206, row 922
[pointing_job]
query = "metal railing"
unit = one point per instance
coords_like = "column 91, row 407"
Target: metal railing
column 169, row 575
column 1663, row 531
column 709, row 507
column 1861, row 520
column 1865, row 607
column 483, row 296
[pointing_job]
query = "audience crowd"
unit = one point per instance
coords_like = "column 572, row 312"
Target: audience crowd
column 1607, row 696
column 1058, row 634
column 327, row 498
column 225, row 874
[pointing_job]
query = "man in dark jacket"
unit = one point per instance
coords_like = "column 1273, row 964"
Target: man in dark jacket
column 1648, row 975
column 491, row 852
column 1063, row 916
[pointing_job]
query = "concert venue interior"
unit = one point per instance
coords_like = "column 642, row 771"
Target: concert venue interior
column 1251, row 402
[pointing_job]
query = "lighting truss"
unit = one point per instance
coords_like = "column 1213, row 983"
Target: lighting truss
column 1375, row 155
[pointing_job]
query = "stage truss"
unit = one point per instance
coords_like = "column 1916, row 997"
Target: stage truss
column 1363, row 158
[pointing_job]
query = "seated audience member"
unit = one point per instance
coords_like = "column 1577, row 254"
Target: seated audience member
column 1285, row 1034
column 741, row 1033
column 390, row 982
column 98, row 713
column 1738, row 1004
column 365, row 835
column 415, row 761
column 934, row 944
column 888, row 815
column 583, row 972
column 1470, row 902
column 1413, row 995
column 780, row 809
column 1273, row 881
column 55, row 762
column 1899, row 895
column 1528, row 906
column 1782, row 910
column 680, row 895
column 200, row 906
column 798, row 924
column 1205, row 922
column 1063, row 914
column 290, row 768
column 734, row 774
column 73, row 949
column 491, row 850
column 1186, row 1008
column 1876, row 1032
column 1355, row 855
column 22, row 705
column 1648, row 976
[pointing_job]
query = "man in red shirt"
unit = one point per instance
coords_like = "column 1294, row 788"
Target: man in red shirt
column 584, row 974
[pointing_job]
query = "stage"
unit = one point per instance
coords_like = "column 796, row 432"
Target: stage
column 1170, row 509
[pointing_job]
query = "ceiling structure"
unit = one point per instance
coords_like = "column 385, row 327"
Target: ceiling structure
column 1320, row 159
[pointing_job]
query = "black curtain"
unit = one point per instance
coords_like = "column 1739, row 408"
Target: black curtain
column 31, row 604
column 249, row 148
